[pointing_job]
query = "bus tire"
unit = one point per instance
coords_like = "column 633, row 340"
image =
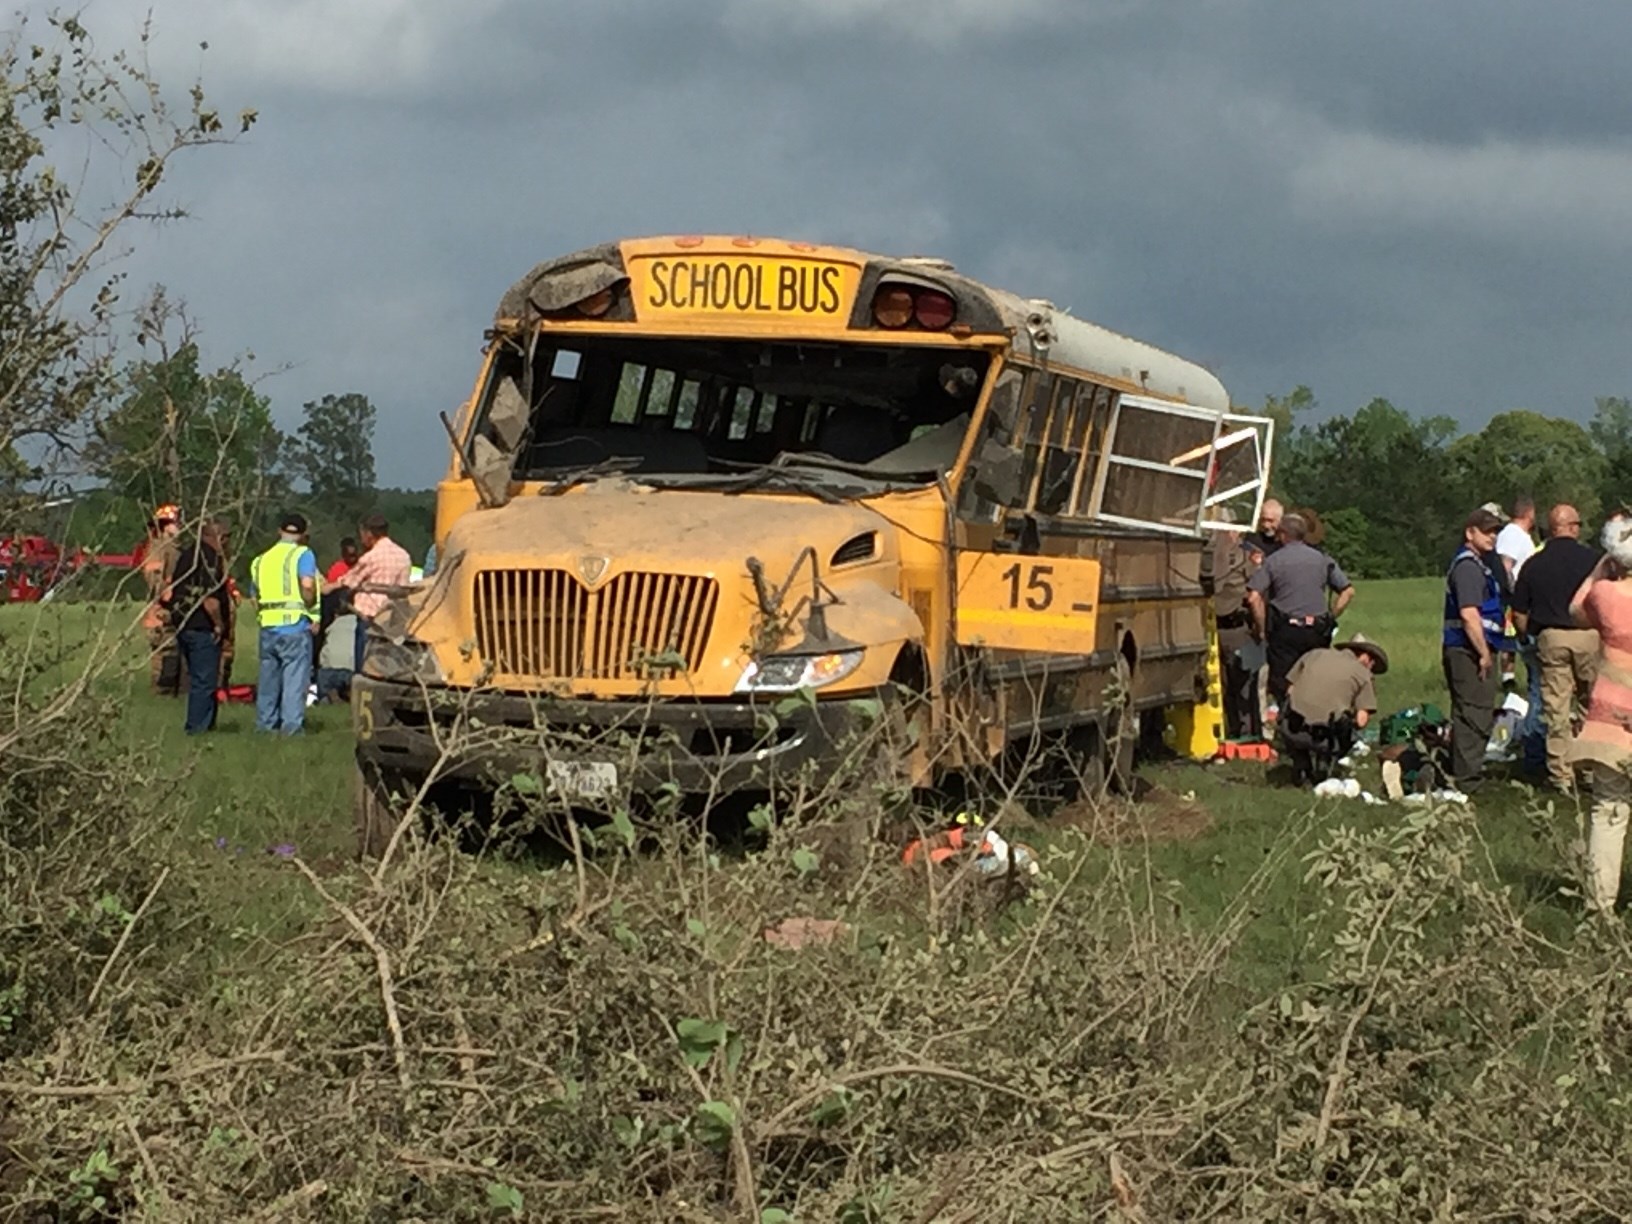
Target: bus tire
column 1122, row 726
column 371, row 806
column 903, row 731
column 1087, row 772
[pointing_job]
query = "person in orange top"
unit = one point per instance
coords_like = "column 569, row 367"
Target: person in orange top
column 348, row 559
column 1604, row 602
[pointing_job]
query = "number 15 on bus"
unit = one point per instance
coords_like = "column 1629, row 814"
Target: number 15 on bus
column 1028, row 603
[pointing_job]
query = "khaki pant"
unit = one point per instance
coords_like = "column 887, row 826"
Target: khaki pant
column 1606, row 836
column 1569, row 661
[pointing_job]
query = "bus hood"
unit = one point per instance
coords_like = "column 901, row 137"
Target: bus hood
column 570, row 593
column 607, row 528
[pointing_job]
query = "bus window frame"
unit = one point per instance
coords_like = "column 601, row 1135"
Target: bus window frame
column 1099, row 414
column 1262, row 431
column 558, row 334
column 1109, row 459
column 1066, row 432
column 480, row 397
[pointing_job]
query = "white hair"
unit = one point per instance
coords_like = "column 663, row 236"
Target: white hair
column 1617, row 541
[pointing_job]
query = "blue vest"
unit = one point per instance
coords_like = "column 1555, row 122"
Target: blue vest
column 1492, row 615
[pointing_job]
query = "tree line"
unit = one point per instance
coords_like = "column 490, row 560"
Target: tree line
column 175, row 430
column 108, row 407
column 1393, row 490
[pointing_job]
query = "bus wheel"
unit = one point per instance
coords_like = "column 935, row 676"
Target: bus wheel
column 371, row 805
column 1121, row 730
column 896, row 741
column 899, row 745
column 1086, row 768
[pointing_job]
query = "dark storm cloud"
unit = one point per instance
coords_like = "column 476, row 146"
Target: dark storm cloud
column 1452, row 71
column 1427, row 202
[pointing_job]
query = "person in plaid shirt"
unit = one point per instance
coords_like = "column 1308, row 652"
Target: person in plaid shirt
column 384, row 562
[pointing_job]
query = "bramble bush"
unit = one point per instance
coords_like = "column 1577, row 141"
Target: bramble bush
column 476, row 1030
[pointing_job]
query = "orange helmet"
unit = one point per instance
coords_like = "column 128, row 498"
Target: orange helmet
column 167, row 513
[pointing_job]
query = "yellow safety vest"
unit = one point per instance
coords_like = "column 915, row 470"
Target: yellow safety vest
column 276, row 574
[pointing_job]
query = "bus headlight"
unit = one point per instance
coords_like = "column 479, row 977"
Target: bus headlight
column 790, row 673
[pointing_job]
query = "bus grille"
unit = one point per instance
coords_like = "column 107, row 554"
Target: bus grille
column 544, row 622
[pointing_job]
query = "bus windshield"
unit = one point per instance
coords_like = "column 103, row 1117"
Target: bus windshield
column 693, row 411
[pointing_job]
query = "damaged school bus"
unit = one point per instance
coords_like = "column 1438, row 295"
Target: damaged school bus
column 699, row 475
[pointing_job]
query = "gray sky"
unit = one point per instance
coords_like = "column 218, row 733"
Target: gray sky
column 1428, row 202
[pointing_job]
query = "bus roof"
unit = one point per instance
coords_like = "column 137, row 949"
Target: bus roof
column 1038, row 330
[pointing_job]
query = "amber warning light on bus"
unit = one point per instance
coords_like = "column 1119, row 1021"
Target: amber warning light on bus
column 896, row 306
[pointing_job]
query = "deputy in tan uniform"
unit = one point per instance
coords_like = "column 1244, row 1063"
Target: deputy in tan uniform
column 1330, row 698
column 1238, row 656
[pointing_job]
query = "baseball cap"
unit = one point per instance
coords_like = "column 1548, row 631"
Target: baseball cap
column 1495, row 509
column 1485, row 519
column 294, row 524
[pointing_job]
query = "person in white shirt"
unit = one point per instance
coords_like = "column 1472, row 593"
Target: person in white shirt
column 1515, row 544
column 338, row 659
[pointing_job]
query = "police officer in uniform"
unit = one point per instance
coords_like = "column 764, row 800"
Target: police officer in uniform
column 1288, row 597
column 1232, row 566
column 1475, row 634
column 1330, row 699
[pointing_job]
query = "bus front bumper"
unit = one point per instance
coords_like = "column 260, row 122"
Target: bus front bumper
column 486, row 738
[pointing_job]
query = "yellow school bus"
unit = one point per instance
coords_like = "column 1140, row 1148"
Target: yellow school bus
column 739, row 496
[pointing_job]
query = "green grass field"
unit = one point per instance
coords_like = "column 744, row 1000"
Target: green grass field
column 236, row 794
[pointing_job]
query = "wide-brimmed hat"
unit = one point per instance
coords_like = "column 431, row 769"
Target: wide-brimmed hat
column 1314, row 531
column 1361, row 644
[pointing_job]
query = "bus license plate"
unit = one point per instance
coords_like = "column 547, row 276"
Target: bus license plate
column 583, row 779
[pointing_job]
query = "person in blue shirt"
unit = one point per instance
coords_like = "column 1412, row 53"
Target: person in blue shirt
column 1476, row 635
column 285, row 586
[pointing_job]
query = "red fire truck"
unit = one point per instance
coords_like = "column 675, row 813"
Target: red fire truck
column 33, row 567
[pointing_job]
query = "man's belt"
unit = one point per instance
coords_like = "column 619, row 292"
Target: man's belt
column 1303, row 622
